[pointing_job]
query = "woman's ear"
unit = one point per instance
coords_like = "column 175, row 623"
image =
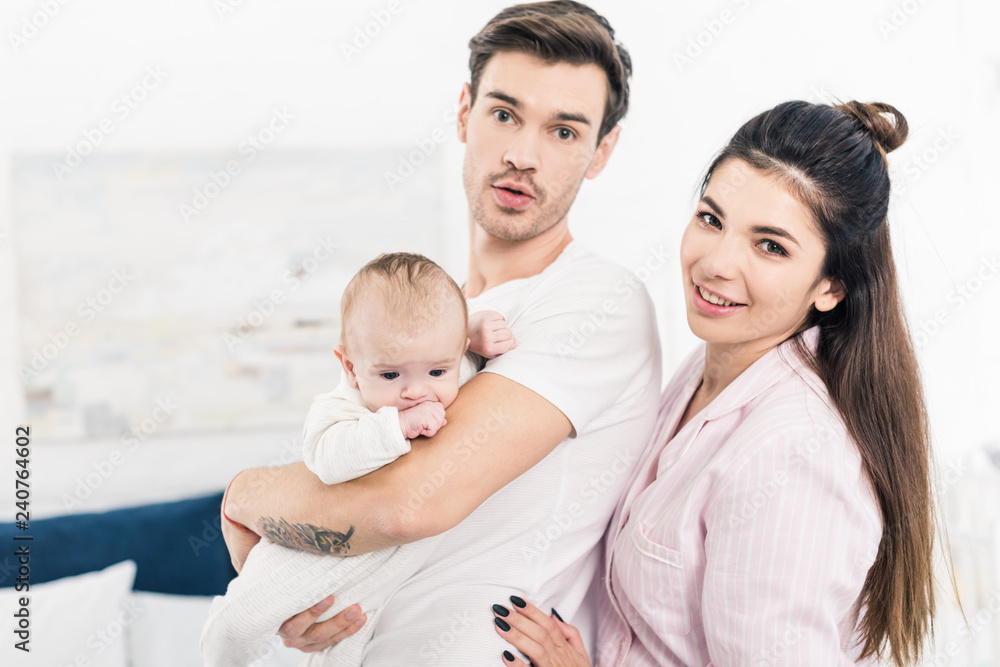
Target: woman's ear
column 348, row 365
column 830, row 292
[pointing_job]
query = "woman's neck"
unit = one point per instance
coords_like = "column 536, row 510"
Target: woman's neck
column 726, row 362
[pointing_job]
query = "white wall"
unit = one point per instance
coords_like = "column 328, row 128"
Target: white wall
column 225, row 71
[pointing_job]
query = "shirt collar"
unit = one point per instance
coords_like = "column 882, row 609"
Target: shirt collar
column 763, row 374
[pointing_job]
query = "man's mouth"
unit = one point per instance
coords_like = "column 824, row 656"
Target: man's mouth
column 512, row 197
column 515, row 188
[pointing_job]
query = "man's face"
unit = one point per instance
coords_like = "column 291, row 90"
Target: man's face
column 531, row 139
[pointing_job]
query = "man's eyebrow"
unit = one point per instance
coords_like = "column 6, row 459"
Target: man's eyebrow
column 570, row 117
column 504, row 97
column 564, row 116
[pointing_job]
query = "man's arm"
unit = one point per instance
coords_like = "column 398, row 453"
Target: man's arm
column 497, row 430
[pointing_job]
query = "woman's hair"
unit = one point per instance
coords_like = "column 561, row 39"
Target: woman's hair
column 558, row 31
column 833, row 158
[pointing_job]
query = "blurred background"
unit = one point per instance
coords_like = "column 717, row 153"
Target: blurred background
column 186, row 187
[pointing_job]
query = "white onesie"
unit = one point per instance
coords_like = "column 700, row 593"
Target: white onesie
column 342, row 440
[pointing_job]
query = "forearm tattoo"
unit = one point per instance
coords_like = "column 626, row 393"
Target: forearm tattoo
column 306, row 537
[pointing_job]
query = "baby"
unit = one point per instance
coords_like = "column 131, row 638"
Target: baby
column 405, row 332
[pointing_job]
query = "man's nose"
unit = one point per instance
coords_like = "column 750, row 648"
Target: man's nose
column 522, row 151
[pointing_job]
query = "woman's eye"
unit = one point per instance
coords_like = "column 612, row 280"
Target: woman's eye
column 437, row 372
column 709, row 219
column 390, row 375
column 771, row 248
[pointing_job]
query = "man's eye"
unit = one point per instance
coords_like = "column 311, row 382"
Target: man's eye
column 502, row 116
column 390, row 375
column 437, row 372
column 565, row 133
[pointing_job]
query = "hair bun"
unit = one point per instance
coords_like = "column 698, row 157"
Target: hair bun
column 884, row 122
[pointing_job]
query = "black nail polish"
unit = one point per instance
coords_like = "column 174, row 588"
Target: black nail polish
column 508, row 656
column 556, row 614
column 502, row 624
column 518, row 602
column 503, row 611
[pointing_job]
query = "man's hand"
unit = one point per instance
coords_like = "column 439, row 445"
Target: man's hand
column 488, row 334
column 422, row 419
column 239, row 540
column 304, row 633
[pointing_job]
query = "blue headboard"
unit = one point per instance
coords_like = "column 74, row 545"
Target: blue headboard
column 178, row 546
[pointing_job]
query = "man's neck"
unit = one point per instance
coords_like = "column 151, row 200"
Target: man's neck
column 493, row 261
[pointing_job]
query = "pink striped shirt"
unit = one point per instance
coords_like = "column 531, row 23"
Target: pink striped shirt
column 746, row 538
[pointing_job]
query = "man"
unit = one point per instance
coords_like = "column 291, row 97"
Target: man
column 539, row 446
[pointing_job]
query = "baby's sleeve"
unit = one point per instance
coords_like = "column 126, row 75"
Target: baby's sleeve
column 343, row 439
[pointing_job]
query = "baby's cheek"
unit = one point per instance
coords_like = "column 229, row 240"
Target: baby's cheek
column 450, row 394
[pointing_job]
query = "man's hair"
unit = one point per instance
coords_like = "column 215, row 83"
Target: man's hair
column 413, row 289
column 558, row 31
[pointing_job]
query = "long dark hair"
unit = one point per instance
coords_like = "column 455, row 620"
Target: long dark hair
column 834, row 159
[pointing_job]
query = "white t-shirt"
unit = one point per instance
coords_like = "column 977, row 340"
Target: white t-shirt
column 587, row 342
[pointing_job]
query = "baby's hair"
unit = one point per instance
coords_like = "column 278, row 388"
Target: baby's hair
column 415, row 290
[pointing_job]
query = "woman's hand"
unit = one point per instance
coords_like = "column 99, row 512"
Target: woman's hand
column 548, row 642
column 304, row 633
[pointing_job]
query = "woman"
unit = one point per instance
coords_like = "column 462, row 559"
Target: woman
column 784, row 512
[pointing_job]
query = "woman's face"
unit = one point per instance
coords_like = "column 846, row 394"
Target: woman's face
column 751, row 259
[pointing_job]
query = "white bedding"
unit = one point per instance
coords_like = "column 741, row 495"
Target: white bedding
column 183, row 616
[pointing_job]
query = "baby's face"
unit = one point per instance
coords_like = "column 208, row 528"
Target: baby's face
column 402, row 369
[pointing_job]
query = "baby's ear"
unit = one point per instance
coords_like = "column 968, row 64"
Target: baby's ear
column 348, row 365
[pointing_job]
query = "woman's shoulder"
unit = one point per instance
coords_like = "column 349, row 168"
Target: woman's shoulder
column 795, row 426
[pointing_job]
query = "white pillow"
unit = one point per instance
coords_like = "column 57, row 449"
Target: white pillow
column 167, row 633
column 81, row 620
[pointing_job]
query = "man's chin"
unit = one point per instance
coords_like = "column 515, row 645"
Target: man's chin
column 512, row 231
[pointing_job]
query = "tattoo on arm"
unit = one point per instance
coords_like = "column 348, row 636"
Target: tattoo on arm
column 306, row 537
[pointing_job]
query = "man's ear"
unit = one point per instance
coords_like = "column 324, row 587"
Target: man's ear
column 603, row 153
column 831, row 292
column 464, row 107
column 347, row 364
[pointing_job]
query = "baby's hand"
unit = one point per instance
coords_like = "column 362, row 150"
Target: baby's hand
column 488, row 334
column 422, row 419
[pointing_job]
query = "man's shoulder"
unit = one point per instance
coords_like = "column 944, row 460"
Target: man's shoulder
column 579, row 259
column 591, row 277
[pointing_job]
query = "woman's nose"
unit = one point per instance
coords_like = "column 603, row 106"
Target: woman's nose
column 721, row 260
